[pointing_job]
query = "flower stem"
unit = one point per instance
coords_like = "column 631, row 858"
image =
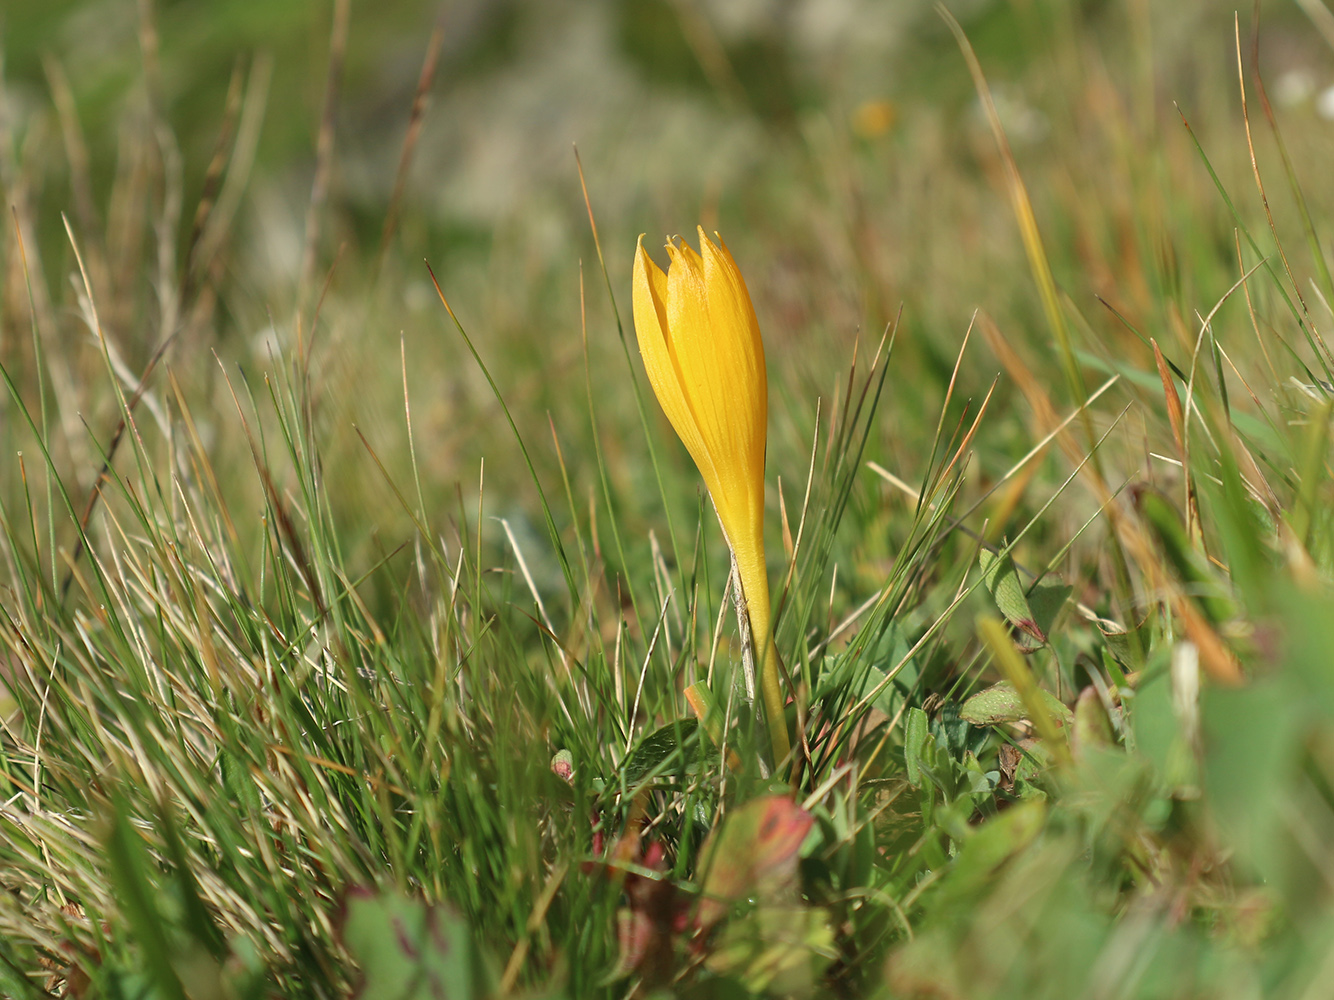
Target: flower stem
column 757, row 625
column 772, row 693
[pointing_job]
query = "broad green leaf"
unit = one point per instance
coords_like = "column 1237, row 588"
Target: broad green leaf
column 916, row 731
column 1047, row 599
column 993, row 843
column 132, row 872
column 1092, row 727
column 1121, row 643
column 1002, row 581
column 858, row 675
column 655, row 751
column 410, row 950
column 1000, row 704
column 1052, row 727
column 776, row 950
column 753, row 854
column 236, row 779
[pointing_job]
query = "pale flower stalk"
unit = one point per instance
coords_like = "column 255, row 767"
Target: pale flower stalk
column 702, row 350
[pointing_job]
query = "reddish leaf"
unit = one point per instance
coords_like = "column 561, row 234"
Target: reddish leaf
column 654, row 913
column 754, row 853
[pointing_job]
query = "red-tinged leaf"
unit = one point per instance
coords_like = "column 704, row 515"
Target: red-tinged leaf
column 645, row 930
column 562, row 766
column 635, row 933
column 1002, row 580
column 1029, row 626
column 754, row 853
column 410, row 950
column 655, row 912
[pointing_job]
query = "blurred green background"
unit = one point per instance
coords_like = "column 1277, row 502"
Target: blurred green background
column 837, row 145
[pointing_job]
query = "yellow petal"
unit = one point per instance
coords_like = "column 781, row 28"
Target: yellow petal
column 650, row 311
column 702, row 350
column 714, row 344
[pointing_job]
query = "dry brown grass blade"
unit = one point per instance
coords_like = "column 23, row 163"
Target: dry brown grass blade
column 1215, row 656
column 324, row 150
column 1252, row 474
column 149, row 49
column 602, row 261
column 1176, row 417
column 76, row 155
column 1172, row 397
column 128, row 405
column 41, row 315
column 1022, row 206
column 1313, row 239
column 212, row 181
column 1264, row 198
column 1045, row 416
column 218, row 229
column 287, row 530
column 333, row 765
column 1040, row 267
column 709, row 52
column 203, row 464
column 1044, row 412
column 783, row 522
column 972, row 430
column 1250, row 309
column 416, row 119
column 1220, row 416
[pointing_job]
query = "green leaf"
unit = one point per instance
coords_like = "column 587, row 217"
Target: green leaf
column 1092, row 727
column 410, row 950
column 1121, row 643
column 14, row 982
column 130, row 868
column 777, row 950
column 237, row 781
column 655, row 751
column 195, row 915
column 858, row 675
column 953, row 733
column 1047, row 599
column 753, row 854
column 916, row 731
column 1002, row 581
column 1198, row 578
column 992, row 844
column 1000, row 704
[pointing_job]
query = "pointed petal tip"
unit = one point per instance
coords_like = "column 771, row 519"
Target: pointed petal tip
column 715, row 240
column 644, row 260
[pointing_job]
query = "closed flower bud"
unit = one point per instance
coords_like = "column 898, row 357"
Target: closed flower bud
column 702, row 350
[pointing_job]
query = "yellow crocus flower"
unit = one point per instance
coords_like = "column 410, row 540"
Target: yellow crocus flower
column 702, row 350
